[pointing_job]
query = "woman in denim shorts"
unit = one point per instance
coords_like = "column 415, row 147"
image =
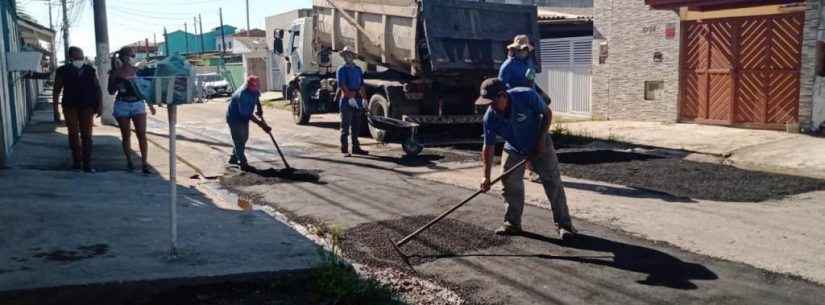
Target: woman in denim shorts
column 130, row 105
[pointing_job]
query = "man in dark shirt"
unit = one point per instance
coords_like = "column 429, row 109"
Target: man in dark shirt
column 82, row 99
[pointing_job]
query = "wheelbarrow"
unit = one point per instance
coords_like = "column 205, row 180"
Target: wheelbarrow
column 405, row 131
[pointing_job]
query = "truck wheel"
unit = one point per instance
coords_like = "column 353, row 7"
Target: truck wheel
column 299, row 111
column 379, row 107
column 411, row 148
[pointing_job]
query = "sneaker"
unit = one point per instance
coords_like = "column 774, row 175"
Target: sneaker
column 233, row 161
column 567, row 231
column 359, row 151
column 508, row 230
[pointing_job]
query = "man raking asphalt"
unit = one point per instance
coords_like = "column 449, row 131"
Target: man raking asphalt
column 241, row 111
column 520, row 117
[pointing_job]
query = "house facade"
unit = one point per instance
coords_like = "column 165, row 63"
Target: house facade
column 18, row 94
column 726, row 62
column 181, row 42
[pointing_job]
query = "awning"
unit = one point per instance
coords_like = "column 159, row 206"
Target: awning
column 711, row 4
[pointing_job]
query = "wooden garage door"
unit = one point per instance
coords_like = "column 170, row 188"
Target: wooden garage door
column 742, row 71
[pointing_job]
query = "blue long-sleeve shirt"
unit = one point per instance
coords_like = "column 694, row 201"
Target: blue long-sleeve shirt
column 513, row 72
column 242, row 105
column 352, row 78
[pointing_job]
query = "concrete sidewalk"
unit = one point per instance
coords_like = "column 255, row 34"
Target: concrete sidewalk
column 763, row 150
column 62, row 227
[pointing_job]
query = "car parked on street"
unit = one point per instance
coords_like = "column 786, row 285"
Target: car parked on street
column 213, row 84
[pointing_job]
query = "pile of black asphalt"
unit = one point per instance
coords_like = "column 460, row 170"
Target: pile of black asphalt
column 683, row 178
column 371, row 243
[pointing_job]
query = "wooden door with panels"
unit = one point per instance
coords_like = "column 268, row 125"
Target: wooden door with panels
column 742, row 71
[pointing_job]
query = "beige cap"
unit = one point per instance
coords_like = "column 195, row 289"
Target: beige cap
column 521, row 42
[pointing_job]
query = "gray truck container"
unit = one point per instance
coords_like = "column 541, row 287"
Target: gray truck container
column 425, row 37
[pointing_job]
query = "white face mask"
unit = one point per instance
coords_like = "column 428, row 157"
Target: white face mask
column 77, row 63
column 131, row 60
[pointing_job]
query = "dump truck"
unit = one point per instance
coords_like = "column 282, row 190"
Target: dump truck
column 423, row 63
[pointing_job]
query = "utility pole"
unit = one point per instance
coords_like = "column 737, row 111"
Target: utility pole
column 195, row 25
column 165, row 41
column 155, row 40
column 102, row 61
column 186, row 36
column 53, row 61
column 53, row 47
column 223, row 41
column 247, row 18
column 200, row 21
column 65, row 31
column 223, row 35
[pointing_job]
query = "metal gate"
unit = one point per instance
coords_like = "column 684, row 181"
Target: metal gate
column 566, row 64
column 742, row 71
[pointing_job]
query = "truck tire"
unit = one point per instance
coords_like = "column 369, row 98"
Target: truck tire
column 299, row 111
column 379, row 107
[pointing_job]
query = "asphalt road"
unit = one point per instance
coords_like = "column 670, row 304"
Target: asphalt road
column 600, row 267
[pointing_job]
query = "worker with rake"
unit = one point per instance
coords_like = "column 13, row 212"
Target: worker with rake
column 520, row 117
column 242, row 104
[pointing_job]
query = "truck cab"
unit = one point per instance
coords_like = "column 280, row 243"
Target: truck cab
column 309, row 72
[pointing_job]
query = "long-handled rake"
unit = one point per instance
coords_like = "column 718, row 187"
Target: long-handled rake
column 289, row 172
column 397, row 245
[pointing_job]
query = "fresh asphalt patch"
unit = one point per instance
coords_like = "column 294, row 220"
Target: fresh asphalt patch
column 371, row 243
column 683, row 178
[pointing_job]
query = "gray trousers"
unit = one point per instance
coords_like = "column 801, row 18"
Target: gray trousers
column 547, row 167
column 240, row 134
column 350, row 126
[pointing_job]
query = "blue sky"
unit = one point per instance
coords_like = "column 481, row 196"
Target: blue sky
column 133, row 20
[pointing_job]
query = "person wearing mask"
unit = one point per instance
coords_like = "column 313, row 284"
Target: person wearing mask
column 130, row 105
column 520, row 117
column 351, row 82
column 241, row 110
column 82, row 100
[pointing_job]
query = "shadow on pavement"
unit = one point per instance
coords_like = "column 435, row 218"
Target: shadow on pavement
column 417, row 161
column 632, row 192
column 661, row 268
column 328, row 125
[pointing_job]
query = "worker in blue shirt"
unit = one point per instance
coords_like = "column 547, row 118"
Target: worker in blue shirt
column 520, row 117
column 241, row 110
column 351, row 82
column 519, row 70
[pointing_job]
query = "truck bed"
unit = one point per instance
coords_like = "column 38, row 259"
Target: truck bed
column 426, row 37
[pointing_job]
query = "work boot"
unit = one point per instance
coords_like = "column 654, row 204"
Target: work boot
column 359, row 151
column 508, row 230
column 567, row 231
